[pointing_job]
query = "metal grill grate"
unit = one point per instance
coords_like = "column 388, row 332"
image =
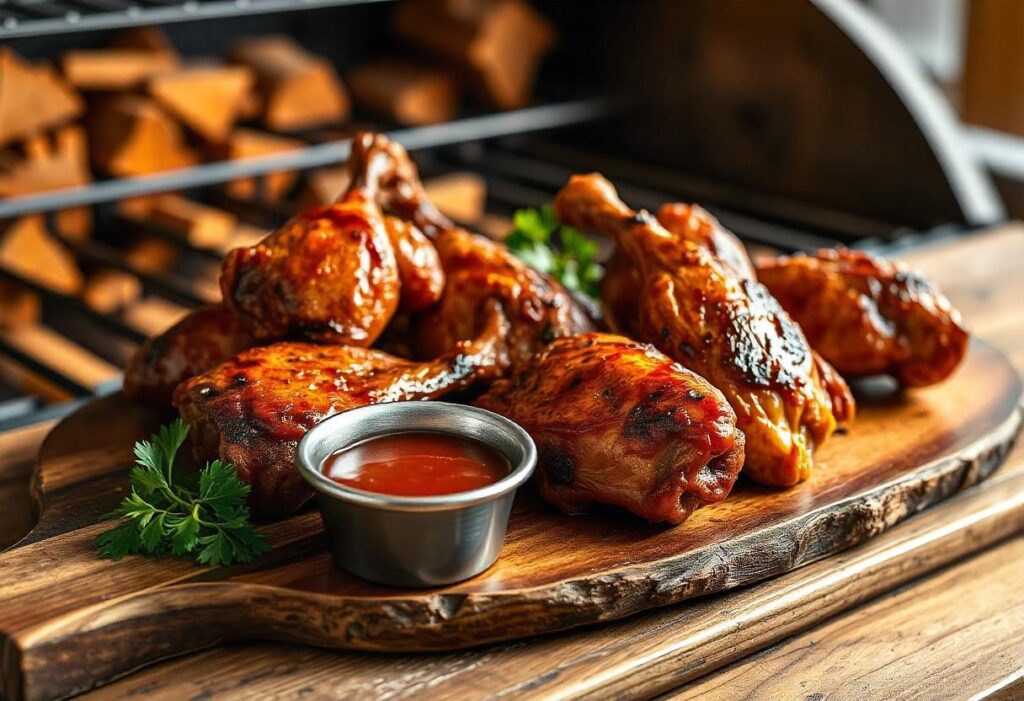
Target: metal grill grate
column 24, row 18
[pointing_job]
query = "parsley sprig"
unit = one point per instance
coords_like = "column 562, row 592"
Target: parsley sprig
column 169, row 514
column 544, row 244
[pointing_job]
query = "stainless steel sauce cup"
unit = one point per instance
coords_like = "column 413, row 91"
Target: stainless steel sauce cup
column 415, row 541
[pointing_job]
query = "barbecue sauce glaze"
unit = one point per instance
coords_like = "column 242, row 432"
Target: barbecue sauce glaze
column 416, row 464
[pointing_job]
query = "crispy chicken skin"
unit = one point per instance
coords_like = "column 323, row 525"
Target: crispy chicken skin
column 867, row 315
column 380, row 169
column 618, row 422
column 729, row 330
column 254, row 408
column 201, row 340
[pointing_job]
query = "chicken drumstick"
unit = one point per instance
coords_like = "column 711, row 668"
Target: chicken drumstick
column 729, row 330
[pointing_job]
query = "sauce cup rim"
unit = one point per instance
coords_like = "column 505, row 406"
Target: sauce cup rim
column 310, row 455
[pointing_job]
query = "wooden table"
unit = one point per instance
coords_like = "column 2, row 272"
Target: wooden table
column 933, row 608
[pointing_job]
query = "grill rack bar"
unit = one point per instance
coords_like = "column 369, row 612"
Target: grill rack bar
column 21, row 18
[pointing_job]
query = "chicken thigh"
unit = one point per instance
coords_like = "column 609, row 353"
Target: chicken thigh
column 618, row 422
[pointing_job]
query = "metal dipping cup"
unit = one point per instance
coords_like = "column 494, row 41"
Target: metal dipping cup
column 415, row 541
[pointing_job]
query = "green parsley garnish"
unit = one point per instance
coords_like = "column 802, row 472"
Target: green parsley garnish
column 546, row 245
column 174, row 515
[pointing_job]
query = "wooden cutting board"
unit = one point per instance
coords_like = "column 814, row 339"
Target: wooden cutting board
column 70, row 621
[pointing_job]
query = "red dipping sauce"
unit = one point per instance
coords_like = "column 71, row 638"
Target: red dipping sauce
column 417, row 465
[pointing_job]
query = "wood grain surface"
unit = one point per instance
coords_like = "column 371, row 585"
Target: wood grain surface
column 648, row 653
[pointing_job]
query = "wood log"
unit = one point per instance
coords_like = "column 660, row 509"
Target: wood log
column 461, row 196
column 207, row 99
column 131, row 135
column 18, row 306
column 62, row 354
column 497, row 43
column 403, row 91
column 153, row 315
column 32, row 98
column 251, row 107
column 28, row 249
column 246, row 143
column 50, row 162
column 299, row 90
column 152, row 255
column 150, row 39
column 199, row 224
column 323, row 186
column 46, row 163
column 114, row 69
column 109, row 290
column 245, row 235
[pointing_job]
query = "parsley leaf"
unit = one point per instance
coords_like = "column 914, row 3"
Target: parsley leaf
column 546, row 245
column 177, row 515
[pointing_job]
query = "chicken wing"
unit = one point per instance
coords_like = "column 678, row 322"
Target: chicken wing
column 727, row 329
column 867, row 315
column 201, row 340
column 253, row 409
column 618, row 422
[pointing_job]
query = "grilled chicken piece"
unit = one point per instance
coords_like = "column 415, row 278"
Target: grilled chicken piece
column 476, row 271
column 332, row 274
column 419, row 267
column 867, row 315
column 328, row 274
column 253, row 409
column 618, row 422
column 688, row 222
column 685, row 222
column 727, row 329
column 201, row 340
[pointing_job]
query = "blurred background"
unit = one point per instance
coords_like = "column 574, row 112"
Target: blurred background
column 141, row 139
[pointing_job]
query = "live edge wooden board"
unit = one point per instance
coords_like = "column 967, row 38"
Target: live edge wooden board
column 70, row 621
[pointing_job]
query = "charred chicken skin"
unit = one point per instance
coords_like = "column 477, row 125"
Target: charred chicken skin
column 618, row 422
column 328, row 274
column 728, row 329
column 868, row 316
column 254, row 408
column 201, row 340
column 694, row 224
